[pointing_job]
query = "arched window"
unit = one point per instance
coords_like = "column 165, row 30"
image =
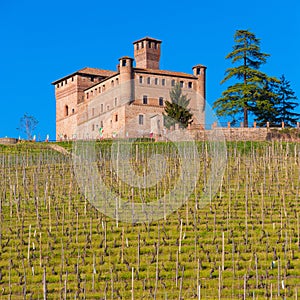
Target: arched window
column 66, row 110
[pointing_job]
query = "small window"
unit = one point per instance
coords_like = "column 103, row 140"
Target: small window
column 57, row 85
column 66, row 81
column 163, row 81
column 92, row 78
column 173, row 82
column 123, row 62
column 103, row 88
column 116, row 101
column 155, row 45
column 93, row 127
column 101, row 124
column 141, row 79
column 99, row 89
column 181, row 84
column 66, row 110
column 101, row 107
column 73, row 110
column 141, row 119
column 93, row 111
column 72, row 78
column 112, row 83
column 156, row 81
column 87, row 95
column 92, row 94
column 62, row 83
column 198, row 71
column 137, row 46
column 107, row 107
column 142, row 43
column 150, row 44
column 148, row 80
column 117, row 81
column 190, row 85
column 116, row 118
column 161, row 101
column 145, row 99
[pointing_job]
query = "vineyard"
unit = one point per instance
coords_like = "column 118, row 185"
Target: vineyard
column 244, row 243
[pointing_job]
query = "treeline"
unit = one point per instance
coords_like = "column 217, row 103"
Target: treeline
column 266, row 98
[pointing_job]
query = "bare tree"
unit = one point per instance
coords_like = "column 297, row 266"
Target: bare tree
column 27, row 125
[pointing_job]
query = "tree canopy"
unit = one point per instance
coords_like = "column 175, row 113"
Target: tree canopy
column 246, row 94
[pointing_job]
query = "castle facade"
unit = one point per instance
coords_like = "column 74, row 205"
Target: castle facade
column 93, row 103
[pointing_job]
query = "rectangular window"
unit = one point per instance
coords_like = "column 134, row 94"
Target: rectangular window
column 141, row 119
column 198, row 71
column 93, row 127
column 141, row 79
column 107, row 107
column 173, row 82
column 163, row 82
column 190, row 84
column 92, row 78
column 101, row 124
column 156, row 81
column 116, row 118
column 101, row 107
column 116, row 101
column 181, row 84
column 145, row 99
column 148, row 80
column 123, row 62
column 161, row 101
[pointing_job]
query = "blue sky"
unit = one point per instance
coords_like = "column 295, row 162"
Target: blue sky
column 42, row 41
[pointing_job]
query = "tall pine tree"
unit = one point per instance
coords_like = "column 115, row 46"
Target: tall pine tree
column 176, row 110
column 243, row 96
column 287, row 102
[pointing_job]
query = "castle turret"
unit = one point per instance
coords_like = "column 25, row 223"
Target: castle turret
column 200, row 72
column 126, row 78
column 147, row 53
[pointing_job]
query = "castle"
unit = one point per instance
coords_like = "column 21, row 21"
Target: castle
column 94, row 103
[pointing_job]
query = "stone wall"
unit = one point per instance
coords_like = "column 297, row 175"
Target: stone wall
column 8, row 141
column 248, row 134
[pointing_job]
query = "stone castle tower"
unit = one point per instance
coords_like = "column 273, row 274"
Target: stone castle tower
column 147, row 53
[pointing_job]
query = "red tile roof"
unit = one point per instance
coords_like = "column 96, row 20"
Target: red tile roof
column 147, row 38
column 164, row 72
column 88, row 71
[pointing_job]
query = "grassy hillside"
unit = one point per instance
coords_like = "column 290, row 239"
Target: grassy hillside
column 245, row 243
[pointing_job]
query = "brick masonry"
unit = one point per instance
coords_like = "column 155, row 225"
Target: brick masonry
column 113, row 100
